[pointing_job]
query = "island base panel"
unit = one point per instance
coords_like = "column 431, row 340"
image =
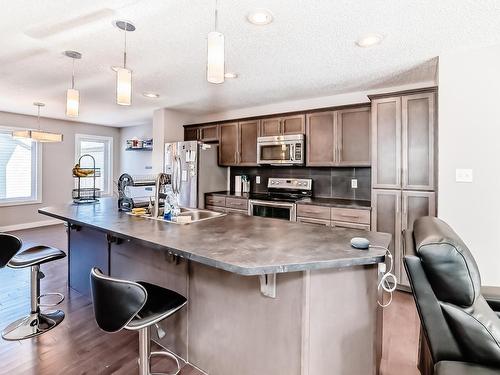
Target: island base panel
column 321, row 321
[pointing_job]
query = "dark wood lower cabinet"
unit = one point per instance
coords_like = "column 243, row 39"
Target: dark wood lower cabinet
column 394, row 212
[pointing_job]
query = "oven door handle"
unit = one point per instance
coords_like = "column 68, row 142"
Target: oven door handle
column 271, row 204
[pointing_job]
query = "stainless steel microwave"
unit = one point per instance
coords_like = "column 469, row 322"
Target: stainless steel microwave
column 281, row 150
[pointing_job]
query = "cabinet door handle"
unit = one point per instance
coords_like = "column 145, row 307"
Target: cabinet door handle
column 350, row 216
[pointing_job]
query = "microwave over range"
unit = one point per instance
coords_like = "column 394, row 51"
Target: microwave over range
column 281, row 150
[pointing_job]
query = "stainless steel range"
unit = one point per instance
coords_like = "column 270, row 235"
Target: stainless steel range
column 280, row 200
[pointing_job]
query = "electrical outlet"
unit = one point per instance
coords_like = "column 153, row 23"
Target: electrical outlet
column 354, row 183
column 257, row 180
column 463, row 175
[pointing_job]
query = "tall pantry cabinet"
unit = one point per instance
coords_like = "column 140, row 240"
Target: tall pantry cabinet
column 403, row 167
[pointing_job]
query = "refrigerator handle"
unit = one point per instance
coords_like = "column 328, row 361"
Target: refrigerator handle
column 178, row 174
column 172, row 177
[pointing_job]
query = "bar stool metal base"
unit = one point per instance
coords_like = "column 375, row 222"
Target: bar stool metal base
column 145, row 355
column 36, row 322
column 32, row 325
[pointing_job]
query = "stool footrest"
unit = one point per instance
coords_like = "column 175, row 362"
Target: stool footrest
column 166, row 354
column 60, row 295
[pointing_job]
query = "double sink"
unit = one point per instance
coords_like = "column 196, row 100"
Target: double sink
column 189, row 216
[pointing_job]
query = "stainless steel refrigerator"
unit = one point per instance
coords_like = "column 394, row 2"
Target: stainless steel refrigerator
column 194, row 171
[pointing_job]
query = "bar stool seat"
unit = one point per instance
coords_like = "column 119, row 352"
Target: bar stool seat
column 136, row 306
column 35, row 255
column 160, row 304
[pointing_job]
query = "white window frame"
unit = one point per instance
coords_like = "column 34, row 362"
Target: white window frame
column 36, row 180
column 109, row 174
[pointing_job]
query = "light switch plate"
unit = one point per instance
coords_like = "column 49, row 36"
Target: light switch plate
column 257, row 180
column 354, row 183
column 463, row 175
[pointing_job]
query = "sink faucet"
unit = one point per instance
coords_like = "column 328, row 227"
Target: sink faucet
column 161, row 180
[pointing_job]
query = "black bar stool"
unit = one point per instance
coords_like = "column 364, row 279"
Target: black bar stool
column 36, row 322
column 134, row 306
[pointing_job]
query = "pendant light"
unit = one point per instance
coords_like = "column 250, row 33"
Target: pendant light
column 124, row 75
column 73, row 95
column 215, row 54
column 38, row 135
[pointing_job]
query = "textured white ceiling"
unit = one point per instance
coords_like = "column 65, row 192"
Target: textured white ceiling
column 308, row 50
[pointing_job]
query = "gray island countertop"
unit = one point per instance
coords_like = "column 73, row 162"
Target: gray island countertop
column 240, row 244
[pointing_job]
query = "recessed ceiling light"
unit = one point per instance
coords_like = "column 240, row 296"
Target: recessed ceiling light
column 231, row 75
column 369, row 40
column 260, row 17
column 149, row 94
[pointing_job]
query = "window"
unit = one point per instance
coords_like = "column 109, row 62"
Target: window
column 101, row 148
column 19, row 170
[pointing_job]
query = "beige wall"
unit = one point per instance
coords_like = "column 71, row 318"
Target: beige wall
column 167, row 127
column 57, row 162
column 135, row 162
column 469, row 134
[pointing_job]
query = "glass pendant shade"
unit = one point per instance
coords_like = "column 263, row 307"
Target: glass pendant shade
column 123, row 86
column 38, row 135
column 215, row 57
column 72, row 102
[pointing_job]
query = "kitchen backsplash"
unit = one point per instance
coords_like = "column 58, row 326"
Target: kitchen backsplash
column 327, row 182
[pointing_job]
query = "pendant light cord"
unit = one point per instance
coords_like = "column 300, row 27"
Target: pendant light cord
column 73, row 75
column 38, row 117
column 125, row 49
column 215, row 23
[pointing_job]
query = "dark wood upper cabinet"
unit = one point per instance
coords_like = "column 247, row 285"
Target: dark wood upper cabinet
column 191, row 134
column 283, row 125
column 320, row 129
column 270, row 126
column 386, row 143
column 353, row 137
column 248, row 131
column 293, row 124
column 209, row 133
column 338, row 138
column 238, row 143
column 228, row 144
column 403, row 141
column 418, row 141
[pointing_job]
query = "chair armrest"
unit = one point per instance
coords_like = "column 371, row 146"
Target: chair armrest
column 492, row 295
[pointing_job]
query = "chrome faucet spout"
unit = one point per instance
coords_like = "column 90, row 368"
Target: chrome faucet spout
column 161, row 181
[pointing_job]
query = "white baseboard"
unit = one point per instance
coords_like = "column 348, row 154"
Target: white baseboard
column 34, row 224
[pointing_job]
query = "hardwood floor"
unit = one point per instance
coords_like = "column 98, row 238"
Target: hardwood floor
column 77, row 346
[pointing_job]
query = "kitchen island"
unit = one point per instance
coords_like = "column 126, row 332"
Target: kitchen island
column 265, row 296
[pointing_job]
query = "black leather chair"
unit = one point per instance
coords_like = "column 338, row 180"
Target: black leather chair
column 135, row 306
column 461, row 327
column 14, row 255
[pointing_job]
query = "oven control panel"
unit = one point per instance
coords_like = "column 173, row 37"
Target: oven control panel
column 290, row 183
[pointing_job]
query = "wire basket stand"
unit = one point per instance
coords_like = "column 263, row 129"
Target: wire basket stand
column 86, row 194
